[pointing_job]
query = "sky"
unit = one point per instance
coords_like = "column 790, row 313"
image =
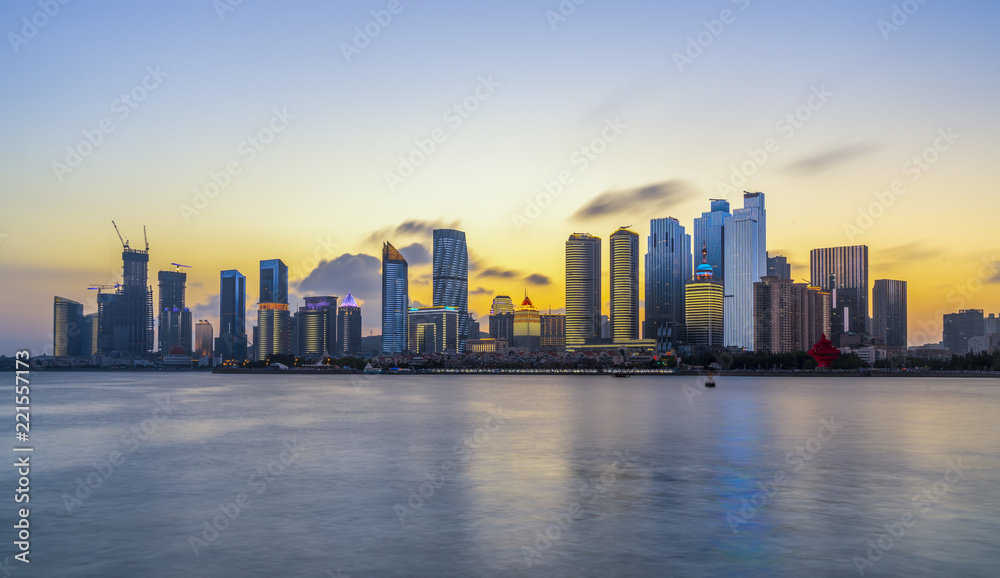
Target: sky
column 314, row 131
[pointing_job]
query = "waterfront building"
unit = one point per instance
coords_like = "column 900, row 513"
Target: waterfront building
column 746, row 263
column 583, row 289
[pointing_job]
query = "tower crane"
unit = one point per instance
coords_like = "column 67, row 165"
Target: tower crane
column 177, row 266
column 120, row 238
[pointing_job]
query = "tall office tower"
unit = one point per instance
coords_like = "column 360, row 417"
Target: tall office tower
column 703, row 307
column 889, row 312
column 231, row 344
column 527, row 326
column 710, row 232
column 668, row 267
column 583, row 289
column 316, row 326
column 273, row 315
column 349, row 327
column 433, row 330
column 959, row 327
column 90, row 325
column 451, row 276
column 624, row 249
column 553, row 331
column 67, row 327
column 746, row 263
column 174, row 317
column 778, row 266
column 502, row 318
column 395, row 300
column 843, row 271
column 203, row 335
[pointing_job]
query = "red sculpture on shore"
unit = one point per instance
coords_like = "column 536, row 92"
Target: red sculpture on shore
column 824, row 352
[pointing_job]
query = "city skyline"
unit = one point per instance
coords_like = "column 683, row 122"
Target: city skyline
column 864, row 145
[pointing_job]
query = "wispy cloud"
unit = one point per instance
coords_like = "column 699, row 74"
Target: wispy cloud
column 650, row 198
column 831, row 158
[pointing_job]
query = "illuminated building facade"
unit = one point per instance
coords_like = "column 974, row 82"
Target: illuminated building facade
column 316, row 326
column 746, row 263
column 553, row 335
column 527, row 326
column 583, row 289
column 203, row 337
column 273, row 315
column 502, row 318
column 395, row 300
column 668, row 268
column 349, row 327
column 624, row 247
column 67, row 328
column 703, row 307
column 451, row 276
column 433, row 330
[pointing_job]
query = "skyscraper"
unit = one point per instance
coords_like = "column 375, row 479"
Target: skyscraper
column 316, row 326
column 273, row 316
column 527, row 326
column 703, row 305
column 349, row 327
column 624, row 249
column 451, row 277
column 90, row 326
column 231, row 344
column 788, row 316
column 502, row 318
column 553, row 331
column 843, row 271
column 67, row 328
column 710, row 232
column 889, row 312
column 778, row 266
column 203, row 334
column 433, row 330
column 174, row 317
column 746, row 263
column 668, row 267
column 395, row 300
column 959, row 327
column 583, row 289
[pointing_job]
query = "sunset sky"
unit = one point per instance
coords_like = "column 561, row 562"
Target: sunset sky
column 301, row 117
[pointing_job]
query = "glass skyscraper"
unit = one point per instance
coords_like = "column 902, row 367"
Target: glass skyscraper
column 889, row 313
column 710, row 233
column 273, row 322
column 843, row 271
column 174, row 318
column 395, row 300
column 624, row 249
column 668, row 267
column 779, row 267
column 231, row 344
column 273, row 281
column 583, row 289
column 745, row 264
column 451, row 277
column 349, row 327
column 67, row 328
column 316, row 326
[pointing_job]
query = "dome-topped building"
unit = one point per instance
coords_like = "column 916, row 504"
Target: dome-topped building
column 703, row 304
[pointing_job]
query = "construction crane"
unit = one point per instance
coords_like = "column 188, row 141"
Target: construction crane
column 145, row 238
column 122, row 239
column 178, row 266
column 103, row 287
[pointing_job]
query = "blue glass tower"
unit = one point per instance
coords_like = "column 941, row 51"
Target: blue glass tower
column 710, row 233
column 451, row 277
column 668, row 267
column 746, row 263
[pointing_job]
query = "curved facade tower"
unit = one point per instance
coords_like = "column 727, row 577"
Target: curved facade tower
column 451, row 277
column 583, row 289
column 395, row 300
column 624, row 285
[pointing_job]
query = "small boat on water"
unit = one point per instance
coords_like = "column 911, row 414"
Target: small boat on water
column 620, row 374
column 710, row 378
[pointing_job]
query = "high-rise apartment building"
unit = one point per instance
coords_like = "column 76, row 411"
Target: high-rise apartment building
column 624, row 250
column 788, row 316
column 451, row 277
column 746, row 263
column 395, row 300
column 889, row 313
column 668, row 268
column 583, row 289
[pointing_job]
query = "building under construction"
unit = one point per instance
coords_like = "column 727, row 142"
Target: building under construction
column 125, row 317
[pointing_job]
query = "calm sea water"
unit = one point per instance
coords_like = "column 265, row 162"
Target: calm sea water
column 510, row 476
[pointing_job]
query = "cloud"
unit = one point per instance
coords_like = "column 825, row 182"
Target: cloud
column 650, row 198
column 480, row 291
column 416, row 254
column 831, row 158
column 916, row 251
column 411, row 228
column 360, row 274
column 497, row 272
column 994, row 279
column 208, row 310
column 537, row 279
